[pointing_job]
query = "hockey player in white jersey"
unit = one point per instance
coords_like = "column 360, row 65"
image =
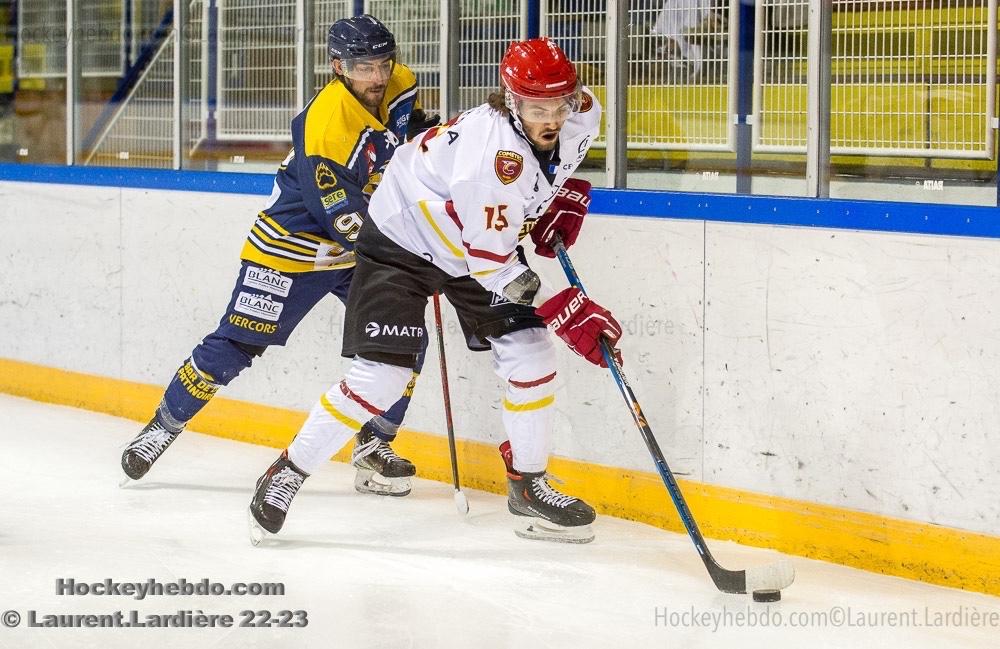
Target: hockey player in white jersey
column 448, row 216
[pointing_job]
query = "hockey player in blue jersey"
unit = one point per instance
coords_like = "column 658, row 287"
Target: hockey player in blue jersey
column 301, row 246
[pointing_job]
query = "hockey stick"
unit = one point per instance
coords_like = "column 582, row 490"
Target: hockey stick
column 461, row 502
column 775, row 576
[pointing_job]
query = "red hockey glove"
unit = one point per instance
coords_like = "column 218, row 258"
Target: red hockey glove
column 581, row 323
column 564, row 216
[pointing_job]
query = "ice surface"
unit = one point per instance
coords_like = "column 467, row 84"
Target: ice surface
column 388, row 572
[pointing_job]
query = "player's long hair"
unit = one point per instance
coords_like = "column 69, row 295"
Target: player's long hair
column 497, row 102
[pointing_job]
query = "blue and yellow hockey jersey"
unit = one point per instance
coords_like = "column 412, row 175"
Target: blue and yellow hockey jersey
column 321, row 191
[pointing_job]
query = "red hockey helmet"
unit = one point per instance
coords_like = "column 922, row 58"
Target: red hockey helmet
column 537, row 69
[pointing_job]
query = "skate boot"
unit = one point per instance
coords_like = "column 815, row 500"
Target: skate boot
column 148, row 446
column 272, row 497
column 380, row 470
column 549, row 515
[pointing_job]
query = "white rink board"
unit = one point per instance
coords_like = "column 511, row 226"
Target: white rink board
column 853, row 369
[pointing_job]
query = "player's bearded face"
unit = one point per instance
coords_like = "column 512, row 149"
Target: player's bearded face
column 542, row 119
column 367, row 79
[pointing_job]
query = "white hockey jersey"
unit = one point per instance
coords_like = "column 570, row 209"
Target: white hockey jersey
column 463, row 194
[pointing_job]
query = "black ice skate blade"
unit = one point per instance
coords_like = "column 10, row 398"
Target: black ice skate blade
column 557, row 534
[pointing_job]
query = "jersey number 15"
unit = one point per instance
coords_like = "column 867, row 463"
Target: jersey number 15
column 495, row 218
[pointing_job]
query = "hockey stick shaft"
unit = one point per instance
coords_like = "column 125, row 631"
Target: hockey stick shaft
column 731, row 583
column 447, row 393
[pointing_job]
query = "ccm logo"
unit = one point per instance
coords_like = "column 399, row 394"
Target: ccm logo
column 575, row 196
column 567, row 313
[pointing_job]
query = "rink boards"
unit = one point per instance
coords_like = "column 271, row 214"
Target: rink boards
column 822, row 391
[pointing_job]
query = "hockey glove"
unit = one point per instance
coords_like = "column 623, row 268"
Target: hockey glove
column 420, row 122
column 581, row 323
column 564, row 216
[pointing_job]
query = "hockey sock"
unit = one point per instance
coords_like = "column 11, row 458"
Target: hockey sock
column 526, row 361
column 386, row 426
column 368, row 388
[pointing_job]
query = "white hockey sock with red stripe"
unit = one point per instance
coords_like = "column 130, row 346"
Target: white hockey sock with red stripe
column 526, row 360
column 368, row 389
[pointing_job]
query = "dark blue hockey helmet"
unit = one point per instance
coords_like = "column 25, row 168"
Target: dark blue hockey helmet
column 360, row 37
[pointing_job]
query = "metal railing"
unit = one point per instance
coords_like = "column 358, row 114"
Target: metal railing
column 914, row 78
column 142, row 133
column 907, row 79
column 257, row 72
column 112, row 33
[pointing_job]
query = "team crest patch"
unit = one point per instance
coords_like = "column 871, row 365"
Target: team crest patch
column 508, row 166
column 325, row 178
column 586, row 103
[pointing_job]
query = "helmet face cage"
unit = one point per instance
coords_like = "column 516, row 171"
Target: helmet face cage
column 543, row 109
column 369, row 68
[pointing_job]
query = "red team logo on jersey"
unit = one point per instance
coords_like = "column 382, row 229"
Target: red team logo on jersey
column 586, row 103
column 508, row 166
column 372, row 157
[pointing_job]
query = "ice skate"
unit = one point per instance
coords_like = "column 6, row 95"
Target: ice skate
column 380, row 470
column 545, row 513
column 145, row 449
column 272, row 498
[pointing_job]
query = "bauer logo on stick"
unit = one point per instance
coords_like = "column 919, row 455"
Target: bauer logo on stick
column 508, row 166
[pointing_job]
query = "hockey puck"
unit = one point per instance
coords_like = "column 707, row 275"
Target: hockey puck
column 767, row 596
